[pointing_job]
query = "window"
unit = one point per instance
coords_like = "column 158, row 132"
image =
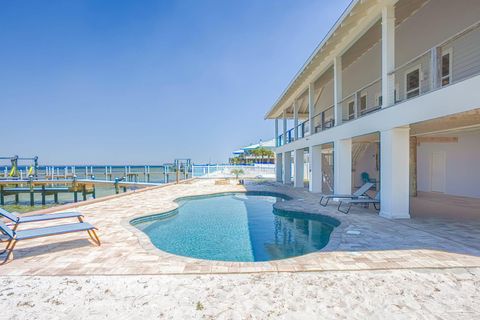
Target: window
column 351, row 110
column 379, row 100
column 412, row 83
column 446, row 68
column 363, row 104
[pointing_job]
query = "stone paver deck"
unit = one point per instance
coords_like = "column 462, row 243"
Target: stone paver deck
column 376, row 243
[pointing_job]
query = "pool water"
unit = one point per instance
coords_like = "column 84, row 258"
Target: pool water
column 236, row 227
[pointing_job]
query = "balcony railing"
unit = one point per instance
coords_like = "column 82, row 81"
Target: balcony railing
column 290, row 136
column 454, row 60
column 302, row 129
column 363, row 101
column 323, row 120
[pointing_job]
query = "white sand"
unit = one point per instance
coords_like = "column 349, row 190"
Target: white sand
column 402, row 294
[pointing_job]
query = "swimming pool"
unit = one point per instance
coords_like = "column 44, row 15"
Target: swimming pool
column 236, row 227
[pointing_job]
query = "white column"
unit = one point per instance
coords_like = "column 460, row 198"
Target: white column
column 299, row 167
column 394, row 173
column 342, row 166
column 295, row 120
column 311, row 107
column 287, row 167
column 276, row 133
column 279, row 167
column 388, row 55
column 284, row 139
column 316, row 177
column 337, row 89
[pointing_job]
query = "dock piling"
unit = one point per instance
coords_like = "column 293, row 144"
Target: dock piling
column 32, row 194
column 43, row 195
column 74, row 185
column 117, row 190
column 16, row 195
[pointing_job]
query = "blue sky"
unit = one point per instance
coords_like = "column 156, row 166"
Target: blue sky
column 143, row 82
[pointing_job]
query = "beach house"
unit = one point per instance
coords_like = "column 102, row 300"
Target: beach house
column 391, row 95
column 261, row 152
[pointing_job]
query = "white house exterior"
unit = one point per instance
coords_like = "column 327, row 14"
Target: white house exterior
column 245, row 152
column 392, row 91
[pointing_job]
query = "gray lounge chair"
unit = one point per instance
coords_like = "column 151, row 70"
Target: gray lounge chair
column 375, row 201
column 15, row 236
column 357, row 194
column 39, row 217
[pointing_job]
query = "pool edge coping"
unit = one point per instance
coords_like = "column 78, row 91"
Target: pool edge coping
column 146, row 243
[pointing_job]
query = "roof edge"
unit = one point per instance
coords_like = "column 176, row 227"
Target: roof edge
column 332, row 30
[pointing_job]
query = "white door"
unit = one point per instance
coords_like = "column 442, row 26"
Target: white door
column 438, row 171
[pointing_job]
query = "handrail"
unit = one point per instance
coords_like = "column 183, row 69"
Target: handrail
column 331, row 107
column 323, row 124
column 324, row 111
column 318, row 114
column 302, row 123
column 452, row 38
column 361, row 89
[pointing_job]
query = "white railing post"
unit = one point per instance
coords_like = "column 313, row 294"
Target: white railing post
column 284, row 139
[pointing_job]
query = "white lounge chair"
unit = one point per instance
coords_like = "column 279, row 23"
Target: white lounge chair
column 356, row 195
column 375, row 201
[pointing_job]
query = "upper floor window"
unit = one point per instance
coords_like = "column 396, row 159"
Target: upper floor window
column 351, row 110
column 446, row 68
column 363, row 104
column 412, row 83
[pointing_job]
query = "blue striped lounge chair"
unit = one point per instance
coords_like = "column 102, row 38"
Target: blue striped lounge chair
column 14, row 236
column 16, row 220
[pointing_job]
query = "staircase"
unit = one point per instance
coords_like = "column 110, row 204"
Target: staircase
column 327, row 172
column 358, row 150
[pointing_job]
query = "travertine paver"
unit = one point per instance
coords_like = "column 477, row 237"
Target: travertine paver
column 377, row 243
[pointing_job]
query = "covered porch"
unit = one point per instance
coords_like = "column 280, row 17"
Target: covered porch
column 426, row 169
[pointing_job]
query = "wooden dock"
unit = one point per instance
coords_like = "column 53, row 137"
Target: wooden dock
column 47, row 187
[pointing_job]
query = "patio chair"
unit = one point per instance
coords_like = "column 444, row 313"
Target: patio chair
column 357, row 194
column 15, row 236
column 39, row 217
column 375, row 201
column 366, row 178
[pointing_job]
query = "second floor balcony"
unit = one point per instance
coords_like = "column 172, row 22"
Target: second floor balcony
column 453, row 59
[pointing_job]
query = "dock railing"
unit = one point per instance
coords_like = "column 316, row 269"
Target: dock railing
column 256, row 171
column 147, row 174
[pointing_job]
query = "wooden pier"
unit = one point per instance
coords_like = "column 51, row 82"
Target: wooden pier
column 47, row 187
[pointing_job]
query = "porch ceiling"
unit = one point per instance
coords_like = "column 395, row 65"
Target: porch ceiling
column 462, row 121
